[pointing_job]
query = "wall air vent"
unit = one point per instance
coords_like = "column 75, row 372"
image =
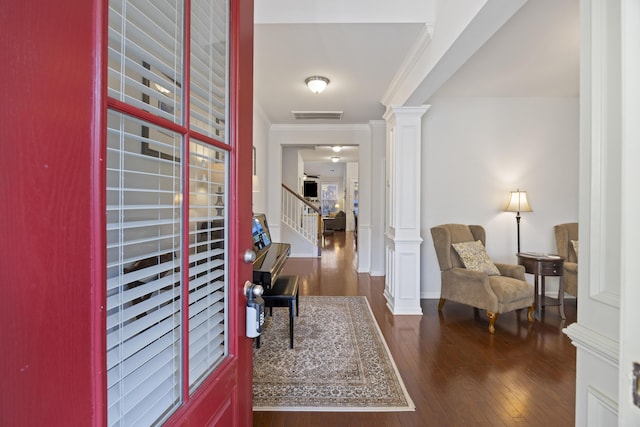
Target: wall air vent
column 317, row 115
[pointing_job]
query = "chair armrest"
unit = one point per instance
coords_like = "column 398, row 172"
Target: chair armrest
column 571, row 267
column 468, row 287
column 511, row 270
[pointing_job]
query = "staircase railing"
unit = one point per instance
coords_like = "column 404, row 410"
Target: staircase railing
column 302, row 216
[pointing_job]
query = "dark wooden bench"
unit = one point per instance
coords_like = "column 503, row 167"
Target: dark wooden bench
column 284, row 293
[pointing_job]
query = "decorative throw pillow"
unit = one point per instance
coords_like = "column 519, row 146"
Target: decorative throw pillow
column 574, row 243
column 475, row 257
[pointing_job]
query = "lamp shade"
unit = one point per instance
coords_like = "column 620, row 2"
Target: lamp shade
column 518, row 202
column 317, row 84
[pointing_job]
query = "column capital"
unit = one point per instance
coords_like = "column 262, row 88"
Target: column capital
column 406, row 112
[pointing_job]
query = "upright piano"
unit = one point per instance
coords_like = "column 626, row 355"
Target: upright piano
column 270, row 256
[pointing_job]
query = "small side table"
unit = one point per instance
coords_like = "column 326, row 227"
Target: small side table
column 543, row 265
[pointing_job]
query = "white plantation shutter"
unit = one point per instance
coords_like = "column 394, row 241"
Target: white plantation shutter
column 145, row 55
column 147, row 254
column 207, row 260
column 143, row 287
column 208, row 67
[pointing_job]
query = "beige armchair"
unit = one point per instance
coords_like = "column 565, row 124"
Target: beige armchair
column 502, row 291
column 565, row 234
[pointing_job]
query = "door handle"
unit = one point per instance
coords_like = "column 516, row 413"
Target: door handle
column 249, row 256
column 252, row 291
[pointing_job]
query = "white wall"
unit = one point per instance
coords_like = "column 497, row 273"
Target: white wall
column 260, row 142
column 476, row 150
column 378, row 196
column 291, row 168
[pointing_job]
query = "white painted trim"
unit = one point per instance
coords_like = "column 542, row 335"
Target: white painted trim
column 430, row 295
column 409, row 64
column 598, row 406
column 606, row 297
column 629, row 413
column 594, row 343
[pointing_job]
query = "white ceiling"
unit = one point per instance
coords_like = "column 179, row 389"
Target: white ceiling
column 359, row 60
column 535, row 54
column 323, row 153
column 360, row 44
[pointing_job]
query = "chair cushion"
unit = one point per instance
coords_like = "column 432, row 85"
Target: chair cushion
column 508, row 289
column 475, row 257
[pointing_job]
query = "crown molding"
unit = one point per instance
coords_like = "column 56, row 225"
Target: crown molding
column 409, row 64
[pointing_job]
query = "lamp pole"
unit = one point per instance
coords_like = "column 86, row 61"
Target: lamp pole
column 518, row 203
column 518, row 226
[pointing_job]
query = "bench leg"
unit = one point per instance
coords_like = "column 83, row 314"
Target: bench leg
column 291, row 324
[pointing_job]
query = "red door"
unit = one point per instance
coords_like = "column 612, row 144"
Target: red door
column 76, row 168
column 178, row 144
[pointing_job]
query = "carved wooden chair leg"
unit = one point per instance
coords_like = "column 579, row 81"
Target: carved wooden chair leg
column 492, row 320
column 441, row 304
column 530, row 314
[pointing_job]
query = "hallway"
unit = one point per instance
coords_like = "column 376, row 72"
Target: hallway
column 455, row 371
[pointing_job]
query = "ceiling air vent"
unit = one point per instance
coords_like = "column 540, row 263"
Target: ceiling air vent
column 315, row 115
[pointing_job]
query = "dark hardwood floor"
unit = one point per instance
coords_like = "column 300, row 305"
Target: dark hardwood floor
column 456, row 372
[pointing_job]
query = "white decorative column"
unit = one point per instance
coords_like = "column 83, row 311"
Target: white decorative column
column 402, row 231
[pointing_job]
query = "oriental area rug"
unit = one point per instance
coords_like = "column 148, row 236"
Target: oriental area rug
column 340, row 361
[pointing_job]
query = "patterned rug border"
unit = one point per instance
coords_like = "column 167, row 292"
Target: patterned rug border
column 370, row 318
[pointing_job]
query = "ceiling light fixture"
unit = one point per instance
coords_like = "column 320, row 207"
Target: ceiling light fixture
column 316, row 84
column 336, row 148
column 335, row 159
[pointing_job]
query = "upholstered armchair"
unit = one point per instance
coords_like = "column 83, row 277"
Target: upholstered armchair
column 567, row 243
column 337, row 223
column 340, row 223
column 494, row 287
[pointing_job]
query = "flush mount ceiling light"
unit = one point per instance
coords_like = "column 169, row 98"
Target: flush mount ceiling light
column 336, row 148
column 316, row 84
column 335, row 159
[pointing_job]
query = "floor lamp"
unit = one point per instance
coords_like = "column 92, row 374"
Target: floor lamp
column 518, row 203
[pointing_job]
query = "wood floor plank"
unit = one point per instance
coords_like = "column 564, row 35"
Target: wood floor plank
column 456, row 373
